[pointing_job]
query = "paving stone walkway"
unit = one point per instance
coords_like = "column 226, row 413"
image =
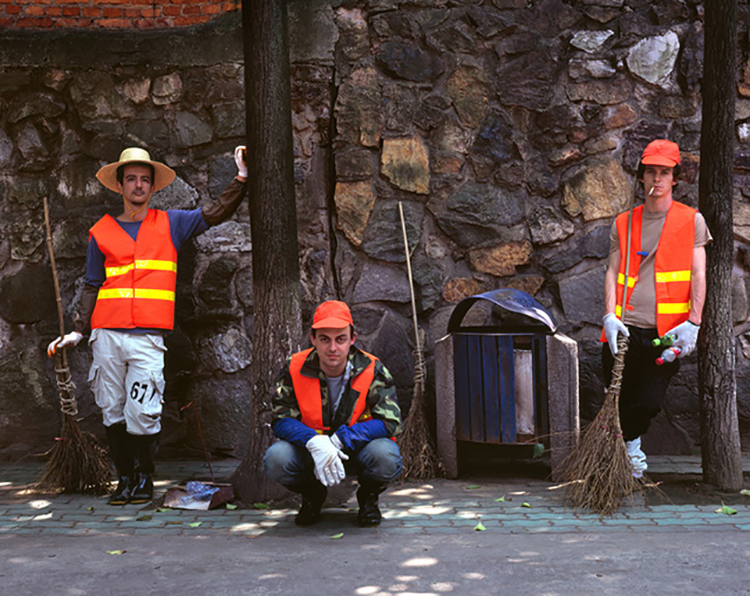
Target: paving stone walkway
column 463, row 506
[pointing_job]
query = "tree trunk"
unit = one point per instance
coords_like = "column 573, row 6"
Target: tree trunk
column 720, row 442
column 277, row 327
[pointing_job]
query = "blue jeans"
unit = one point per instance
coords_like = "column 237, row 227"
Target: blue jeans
column 379, row 461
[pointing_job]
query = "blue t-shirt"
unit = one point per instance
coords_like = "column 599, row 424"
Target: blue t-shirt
column 183, row 225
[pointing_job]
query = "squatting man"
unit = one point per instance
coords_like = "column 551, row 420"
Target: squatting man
column 335, row 411
column 128, row 298
column 666, row 291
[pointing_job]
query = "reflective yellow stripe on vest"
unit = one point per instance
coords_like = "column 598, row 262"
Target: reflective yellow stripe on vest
column 672, row 308
column 156, row 265
column 150, row 264
column 115, row 271
column 139, row 293
column 621, row 280
column 667, row 276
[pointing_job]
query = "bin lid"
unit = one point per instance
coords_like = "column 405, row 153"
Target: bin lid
column 517, row 312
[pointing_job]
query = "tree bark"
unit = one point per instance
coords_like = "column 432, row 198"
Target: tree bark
column 277, row 327
column 720, row 442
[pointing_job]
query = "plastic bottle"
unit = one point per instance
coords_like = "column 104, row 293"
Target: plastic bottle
column 668, row 355
column 199, row 491
column 665, row 341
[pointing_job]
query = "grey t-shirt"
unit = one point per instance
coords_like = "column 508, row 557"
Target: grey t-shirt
column 336, row 386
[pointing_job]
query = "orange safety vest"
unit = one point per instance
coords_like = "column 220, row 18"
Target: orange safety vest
column 141, row 274
column 672, row 265
column 307, row 390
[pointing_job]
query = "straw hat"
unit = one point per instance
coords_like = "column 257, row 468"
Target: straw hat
column 163, row 175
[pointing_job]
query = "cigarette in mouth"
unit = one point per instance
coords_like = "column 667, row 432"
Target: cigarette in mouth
column 650, row 192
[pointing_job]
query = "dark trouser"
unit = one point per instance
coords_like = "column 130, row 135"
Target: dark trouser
column 644, row 383
column 377, row 462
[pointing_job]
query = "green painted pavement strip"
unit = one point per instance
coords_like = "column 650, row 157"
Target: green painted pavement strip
column 629, row 522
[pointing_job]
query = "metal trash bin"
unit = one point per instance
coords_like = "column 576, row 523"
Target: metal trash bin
column 493, row 378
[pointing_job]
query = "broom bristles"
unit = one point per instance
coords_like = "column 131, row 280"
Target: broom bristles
column 77, row 463
column 598, row 469
column 420, row 457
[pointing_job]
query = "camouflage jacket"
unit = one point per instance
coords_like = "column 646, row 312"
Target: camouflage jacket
column 381, row 399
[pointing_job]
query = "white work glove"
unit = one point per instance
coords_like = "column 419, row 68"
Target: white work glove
column 687, row 336
column 329, row 468
column 612, row 328
column 239, row 159
column 67, row 341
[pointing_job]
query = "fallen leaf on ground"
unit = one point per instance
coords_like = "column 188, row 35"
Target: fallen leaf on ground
column 500, row 500
column 231, row 507
column 337, row 536
column 143, row 518
column 745, row 492
column 480, row 527
column 89, row 508
column 261, row 505
column 525, row 504
column 116, row 552
column 473, row 487
column 726, row 510
column 194, row 524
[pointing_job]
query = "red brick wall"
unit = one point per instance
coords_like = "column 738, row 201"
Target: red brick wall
column 110, row 14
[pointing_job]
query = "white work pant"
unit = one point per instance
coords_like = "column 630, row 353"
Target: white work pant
column 127, row 378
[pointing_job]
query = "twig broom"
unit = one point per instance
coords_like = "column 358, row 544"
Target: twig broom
column 418, row 451
column 77, row 463
column 598, row 469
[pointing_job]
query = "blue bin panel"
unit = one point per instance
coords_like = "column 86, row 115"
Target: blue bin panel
column 485, row 388
column 476, row 389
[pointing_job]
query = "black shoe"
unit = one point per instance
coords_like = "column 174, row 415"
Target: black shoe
column 143, row 489
column 121, row 496
column 313, row 498
column 367, row 496
column 369, row 513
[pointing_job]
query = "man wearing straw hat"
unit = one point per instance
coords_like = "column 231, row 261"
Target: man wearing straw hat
column 659, row 248
column 128, row 297
column 335, row 411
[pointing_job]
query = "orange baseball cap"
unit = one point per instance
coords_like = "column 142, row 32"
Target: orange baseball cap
column 661, row 152
column 332, row 314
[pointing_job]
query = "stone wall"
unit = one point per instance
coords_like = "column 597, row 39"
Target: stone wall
column 508, row 130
